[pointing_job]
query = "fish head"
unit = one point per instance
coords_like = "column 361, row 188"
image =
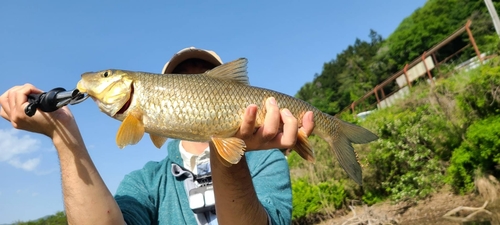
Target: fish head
column 110, row 89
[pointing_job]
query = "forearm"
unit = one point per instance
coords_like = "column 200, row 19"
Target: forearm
column 87, row 200
column 236, row 201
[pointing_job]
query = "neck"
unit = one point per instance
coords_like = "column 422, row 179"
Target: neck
column 195, row 148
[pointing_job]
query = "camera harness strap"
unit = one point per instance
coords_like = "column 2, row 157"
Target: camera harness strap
column 191, row 182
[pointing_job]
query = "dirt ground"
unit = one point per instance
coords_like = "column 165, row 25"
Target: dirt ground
column 428, row 211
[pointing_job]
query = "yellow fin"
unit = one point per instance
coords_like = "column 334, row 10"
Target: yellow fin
column 223, row 161
column 302, row 146
column 230, row 149
column 235, row 71
column 130, row 132
column 158, row 141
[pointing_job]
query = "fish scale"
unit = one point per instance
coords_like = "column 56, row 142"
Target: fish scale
column 209, row 107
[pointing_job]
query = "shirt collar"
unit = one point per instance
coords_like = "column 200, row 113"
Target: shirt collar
column 189, row 159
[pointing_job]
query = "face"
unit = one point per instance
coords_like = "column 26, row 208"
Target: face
column 110, row 89
column 193, row 66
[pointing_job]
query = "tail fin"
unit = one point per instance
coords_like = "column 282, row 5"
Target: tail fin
column 357, row 134
column 340, row 135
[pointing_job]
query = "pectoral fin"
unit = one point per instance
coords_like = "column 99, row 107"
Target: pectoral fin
column 158, row 141
column 223, row 161
column 230, row 149
column 130, row 132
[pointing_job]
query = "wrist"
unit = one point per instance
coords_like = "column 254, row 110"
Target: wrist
column 67, row 137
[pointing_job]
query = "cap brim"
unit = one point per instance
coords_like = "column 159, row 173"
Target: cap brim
column 191, row 53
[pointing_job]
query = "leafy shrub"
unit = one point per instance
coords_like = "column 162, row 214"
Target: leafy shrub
column 306, row 199
column 332, row 192
column 481, row 96
column 310, row 200
column 405, row 160
column 371, row 198
column 479, row 152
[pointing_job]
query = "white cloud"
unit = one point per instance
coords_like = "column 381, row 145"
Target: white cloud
column 28, row 165
column 13, row 145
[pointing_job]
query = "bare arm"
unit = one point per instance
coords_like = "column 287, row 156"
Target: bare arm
column 87, row 200
column 236, row 198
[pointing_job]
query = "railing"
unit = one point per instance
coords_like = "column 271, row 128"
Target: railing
column 412, row 71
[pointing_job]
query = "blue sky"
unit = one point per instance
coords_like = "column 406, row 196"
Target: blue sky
column 51, row 43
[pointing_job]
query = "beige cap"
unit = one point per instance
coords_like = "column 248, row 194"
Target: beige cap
column 190, row 53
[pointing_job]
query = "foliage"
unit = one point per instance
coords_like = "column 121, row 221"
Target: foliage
column 421, row 144
column 364, row 64
column 345, row 78
column 309, row 199
column 479, row 152
column 429, row 25
column 481, row 97
column 419, row 138
column 57, row 219
column 407, row 159
column 332, row 192
column 306, row 199
column 371, row 198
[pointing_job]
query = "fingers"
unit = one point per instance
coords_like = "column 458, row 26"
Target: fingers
column 290, row 129
column 248, row 125
column 23, row 92
column 308, row 123
column 14, row 100
column 11, row 99
column 272, row 120
column 13, row 103
column 278, row 130
column 3, row 113
column 18, row 98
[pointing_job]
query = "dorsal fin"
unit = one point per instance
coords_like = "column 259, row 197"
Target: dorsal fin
column 235, row 71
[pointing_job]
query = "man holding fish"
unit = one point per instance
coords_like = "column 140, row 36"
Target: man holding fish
column 254, row 189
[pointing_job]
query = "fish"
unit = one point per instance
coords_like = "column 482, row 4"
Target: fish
column 209, row 107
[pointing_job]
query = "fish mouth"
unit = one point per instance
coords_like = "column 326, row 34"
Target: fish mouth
column 81, row 87
column 129, row 101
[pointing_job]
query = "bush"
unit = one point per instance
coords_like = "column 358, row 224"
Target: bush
column 480, row 152
column 332, row 193
column 371, row 198
column 310, row 200
column 405, row 162
column 306, row 199
column 481, row 96
column 431, row 138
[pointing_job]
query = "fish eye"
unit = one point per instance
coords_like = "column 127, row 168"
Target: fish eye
column 106, row 74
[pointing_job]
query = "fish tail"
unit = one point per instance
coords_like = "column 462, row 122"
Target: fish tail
column 340, row 135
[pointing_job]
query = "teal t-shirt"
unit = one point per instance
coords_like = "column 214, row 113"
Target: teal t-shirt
column 153, row 195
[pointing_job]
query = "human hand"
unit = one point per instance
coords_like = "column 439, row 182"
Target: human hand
column 14, row 101
column 269, row 134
